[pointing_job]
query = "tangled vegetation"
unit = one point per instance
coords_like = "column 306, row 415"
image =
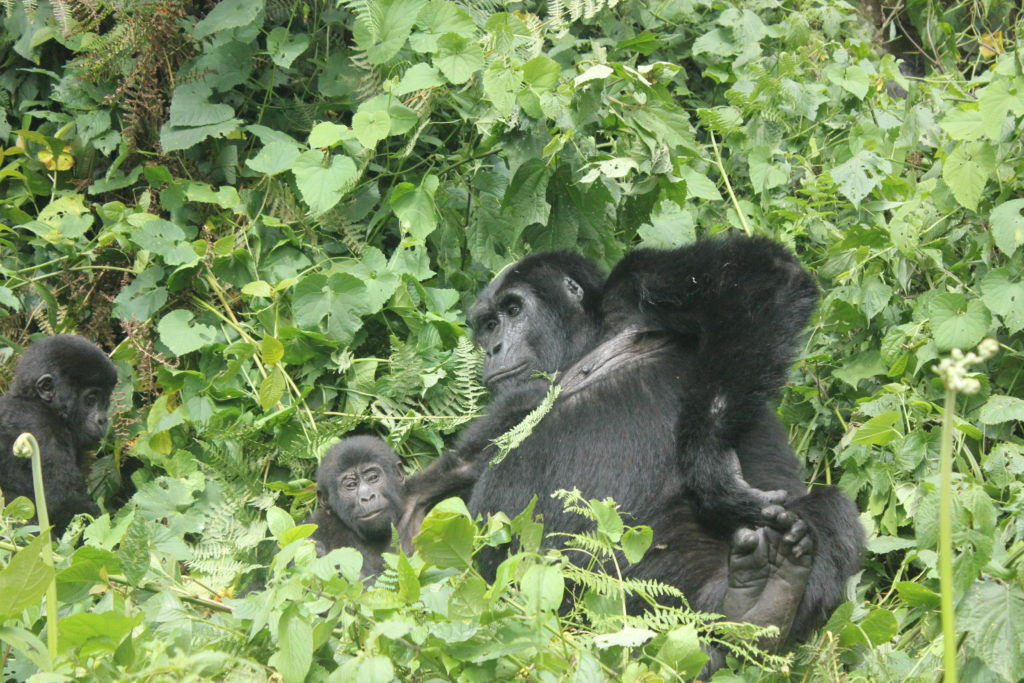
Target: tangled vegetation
column 275, row 212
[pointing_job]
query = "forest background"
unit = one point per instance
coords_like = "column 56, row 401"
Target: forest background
column 274, row 213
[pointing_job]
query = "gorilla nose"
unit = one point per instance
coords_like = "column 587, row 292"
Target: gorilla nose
column 494, row 349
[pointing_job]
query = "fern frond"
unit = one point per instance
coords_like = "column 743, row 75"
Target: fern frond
column 511, row 439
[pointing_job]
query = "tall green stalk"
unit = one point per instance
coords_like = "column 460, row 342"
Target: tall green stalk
column 953, row 371
column 26, row 446
column 946, row 538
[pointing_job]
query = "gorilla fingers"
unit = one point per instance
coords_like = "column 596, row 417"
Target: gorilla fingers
column 61, row 395
column 360, row 493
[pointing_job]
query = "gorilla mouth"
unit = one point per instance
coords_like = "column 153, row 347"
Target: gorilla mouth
column 504, row 374
column 372, row 515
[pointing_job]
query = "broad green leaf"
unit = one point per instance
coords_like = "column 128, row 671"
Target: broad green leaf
column 635, row 543
column 593, row 73
column 331, row 304
column 258, row 288
column 609, row 523
column 630, row 636
column 323, row 186
column 878, row 627
column 917, row 595
column 271, row 350
column 272, row 388
column 274, row 158
column 859, row 175
column 437, row 18
column 89, row 567
column 380, row 281
column 446, row 537
column 852, row 79
column 525, row 200
column 1000, row 409
column 285, row 47
column 414, row 207
column 295, row 642
column 958, row 323
column 142, row 297
column 228, row 14
column 1008, row 226
column 879, row 430
column 327, row 134
column 698, row 185
column 670, row 227
column 24, row 580
column 501, row 83
column 861, row 366
column 458, row 58
column 542, row 73
column 371, row 127
column 875, row 295
column 96, row 632
column 993, row 613
column 682, row 651
column 542, row 587
column 193, row 118
column 966, row 122
column 383, row 26
column 166, row 240
column 419, row 76
column 967, row 169
column 279, row 522
column 180, row 336
column 1004, row 296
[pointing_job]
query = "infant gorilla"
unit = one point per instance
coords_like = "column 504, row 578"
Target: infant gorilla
column 360, row 493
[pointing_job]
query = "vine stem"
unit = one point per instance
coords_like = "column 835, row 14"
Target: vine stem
column 728, row 187
column 946, row 540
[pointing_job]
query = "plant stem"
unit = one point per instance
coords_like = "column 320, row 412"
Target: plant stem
column 47, row 551
column 946, row 539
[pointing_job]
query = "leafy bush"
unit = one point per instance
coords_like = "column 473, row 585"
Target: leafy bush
column 276, row 213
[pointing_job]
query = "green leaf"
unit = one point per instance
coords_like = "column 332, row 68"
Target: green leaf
column 1008, row 226
column 328, row 134
column 878, row 627
column 875, row 296
column 323, row 186
column 999, row 409
column 274, row 158
column 609, row 523
column 24, row 580
column 859, row 175
column 542, row 587
column 285, row 47
column 142, row 297
column 542, row 73
column 966, row 122
column 193, row 118
column 279, row 522
column 166, row 240
column 993, row 613
column 630, row 636
column 178, row 335
column 635, row 543
column 698, row 185
column 271, row 350
column 91, row 633
column 879, row 430
column 258, row 288
column 1004, row 296
column 853, row 79
column 419, row 76
column 371, row 127
column 525, row 200
column 380, row 281
column 228, row 14
column 437, row 18
column 458, row 58
column 501, row 83
column 272, row 388
column 414, row 207
column 917, row 595
column 861, row 366
column 967, row 169
column 670, row 227
column 331, row 304
column 958, row 323
column 683, row 652
column 446, row 536
column 295, row 642
column 383, row 27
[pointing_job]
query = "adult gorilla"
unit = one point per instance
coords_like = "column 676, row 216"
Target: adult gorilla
column 665, row 368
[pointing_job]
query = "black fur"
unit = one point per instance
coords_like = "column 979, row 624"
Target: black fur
column 61, row 394
column 358, row 475
column 679, row 434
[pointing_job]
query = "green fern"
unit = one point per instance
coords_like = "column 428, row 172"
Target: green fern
column 511, row 439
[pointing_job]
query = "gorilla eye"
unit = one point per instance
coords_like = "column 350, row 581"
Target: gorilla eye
column 349, row 484
column 512, row 310
column 372, row 477
column 491, row 325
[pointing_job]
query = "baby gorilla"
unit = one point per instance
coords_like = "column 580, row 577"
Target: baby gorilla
column 61, row 394
column 360, row 492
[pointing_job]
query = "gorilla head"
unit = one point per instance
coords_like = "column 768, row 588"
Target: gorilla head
column 360, row 480
column 74, row 378
column 540, row 315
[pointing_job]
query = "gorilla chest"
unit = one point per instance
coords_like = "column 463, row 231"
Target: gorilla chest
column 617, row 440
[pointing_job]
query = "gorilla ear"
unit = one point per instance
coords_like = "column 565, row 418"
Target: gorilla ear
column 45, row 387
column 322, row 498
column 574, row 290
column 400, row 473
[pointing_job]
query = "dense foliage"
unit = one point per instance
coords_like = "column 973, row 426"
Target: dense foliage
column 275, row 213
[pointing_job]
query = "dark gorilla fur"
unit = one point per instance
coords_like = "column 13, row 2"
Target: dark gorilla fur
column 357, row 476
column 61, row 394
column 665, row 367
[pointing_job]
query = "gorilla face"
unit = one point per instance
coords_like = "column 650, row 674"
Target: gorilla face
column 361, row 481
column 85, row 407
column 534, row 320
